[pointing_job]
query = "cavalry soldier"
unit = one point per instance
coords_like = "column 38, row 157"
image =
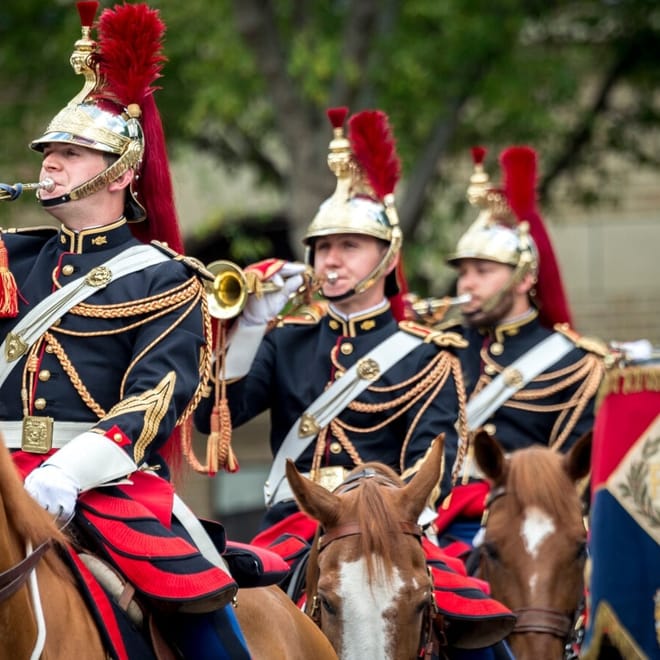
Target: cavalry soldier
column 346, row 381
column 530, row 378
column 106, row 339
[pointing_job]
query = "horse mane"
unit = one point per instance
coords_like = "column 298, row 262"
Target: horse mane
column 537, row 478
column 24, row 515
column 377, row 519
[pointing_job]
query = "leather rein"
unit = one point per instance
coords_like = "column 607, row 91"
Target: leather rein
column 15, row 577
column 429, row 639
column 543, row 620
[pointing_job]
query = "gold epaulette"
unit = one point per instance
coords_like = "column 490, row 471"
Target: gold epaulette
column 433, row 335
column 307, row 314
column 193, row 264
column 589, row 344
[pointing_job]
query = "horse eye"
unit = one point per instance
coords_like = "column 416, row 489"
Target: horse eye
column 327, row 606
column 490, row 551
column 582, row 552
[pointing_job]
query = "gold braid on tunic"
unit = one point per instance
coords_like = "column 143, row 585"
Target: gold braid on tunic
column 185, row 298
column 587, row 371
column 421, row 387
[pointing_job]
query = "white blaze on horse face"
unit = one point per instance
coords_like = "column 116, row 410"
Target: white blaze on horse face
column 536, row 526
column 365, row 631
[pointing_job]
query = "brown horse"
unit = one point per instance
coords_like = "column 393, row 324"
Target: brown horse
column 533, row 549
column 368, row 585
column 274, row 627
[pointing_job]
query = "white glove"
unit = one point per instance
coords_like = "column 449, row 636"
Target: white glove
column 54, row 490
column 259, row 311
column 636, row 351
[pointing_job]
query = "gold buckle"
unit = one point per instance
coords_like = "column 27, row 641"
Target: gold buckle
column 37, row 435
column 330, row 477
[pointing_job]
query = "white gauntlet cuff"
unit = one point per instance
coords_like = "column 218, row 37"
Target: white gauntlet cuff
column 93, row 460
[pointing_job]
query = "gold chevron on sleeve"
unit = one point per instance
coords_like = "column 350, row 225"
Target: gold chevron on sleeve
column 154, row 404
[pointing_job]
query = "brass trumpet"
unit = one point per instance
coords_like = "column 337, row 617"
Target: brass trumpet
column 434, row 309
column 9, row 193
column 228, row 293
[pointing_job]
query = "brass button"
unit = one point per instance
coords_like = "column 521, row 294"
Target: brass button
column 490, row 429
column 490, row 369
column 49, row 349
column 346, row 348
column 335, row 447
column 117, row 437
column 338, row 374
column 334, row 324
column 44, row 375
column 496, row 348
column 40, row 404
column 68, row 269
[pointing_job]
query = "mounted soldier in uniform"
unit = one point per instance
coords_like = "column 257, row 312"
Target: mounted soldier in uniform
column 345, row 381
column 106, row 338
column 530, row 378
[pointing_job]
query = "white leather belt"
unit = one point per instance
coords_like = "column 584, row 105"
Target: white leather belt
column 63, row 432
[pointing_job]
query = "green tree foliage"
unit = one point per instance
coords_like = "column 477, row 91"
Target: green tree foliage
column 248, row 81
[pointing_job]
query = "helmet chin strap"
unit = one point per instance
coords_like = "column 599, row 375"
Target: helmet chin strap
column 523, row 267
column 130, row 158
column 379, row 271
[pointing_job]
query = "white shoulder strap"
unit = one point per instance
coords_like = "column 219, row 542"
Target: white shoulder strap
column 514, row 377
column 58, row 303
column 333, row 400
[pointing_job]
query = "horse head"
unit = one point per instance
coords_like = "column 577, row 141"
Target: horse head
column 368, row 586
column 533, row 549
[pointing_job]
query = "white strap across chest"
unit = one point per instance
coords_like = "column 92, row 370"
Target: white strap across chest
column 58, row 303
column 333, row 400
column 513, row 378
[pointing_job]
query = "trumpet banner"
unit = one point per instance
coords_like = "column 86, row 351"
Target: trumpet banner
column 624, row 577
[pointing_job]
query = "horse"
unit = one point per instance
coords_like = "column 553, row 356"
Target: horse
column 534, row 544
column 35, row 583
column 368, row 585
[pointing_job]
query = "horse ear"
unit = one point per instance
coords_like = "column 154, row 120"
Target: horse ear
column 312, row 498
column 577, row 462
column 489, row 455
column 415, row 494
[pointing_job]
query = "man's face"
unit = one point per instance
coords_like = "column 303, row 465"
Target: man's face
column 69, row 165
column 484, row 281
column 346, row 259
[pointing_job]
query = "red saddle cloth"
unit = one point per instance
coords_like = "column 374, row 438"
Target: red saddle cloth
column 474, row 619
column 131, row 526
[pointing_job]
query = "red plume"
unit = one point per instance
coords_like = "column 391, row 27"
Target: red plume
column 131, row 59
column 375, row 150
column 519, row 165
column 130, row 40
column 337, row 116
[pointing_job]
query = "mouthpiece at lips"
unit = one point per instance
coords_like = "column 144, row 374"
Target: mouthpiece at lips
column 332, row 277
column 47, row 184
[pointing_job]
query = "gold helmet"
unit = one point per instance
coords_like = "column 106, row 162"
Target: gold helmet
column 367, row 169
column 115, row 110
column 509, row 230
column 498, row 234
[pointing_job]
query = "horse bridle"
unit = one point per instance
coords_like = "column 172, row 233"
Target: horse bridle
column 543, row 620
column 15, row 577
column 429, row 639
